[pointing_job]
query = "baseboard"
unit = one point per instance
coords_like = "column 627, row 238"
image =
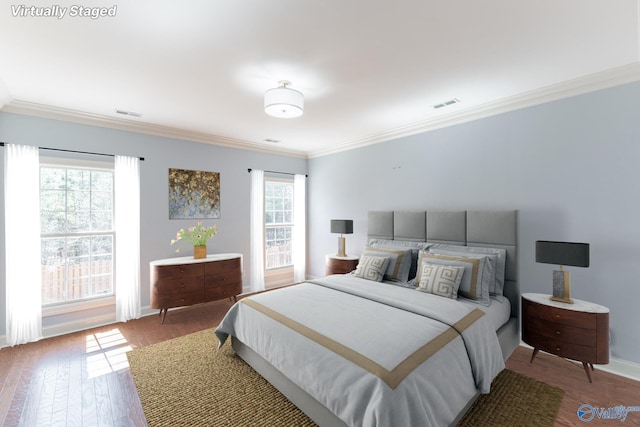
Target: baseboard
column 81, row 325
column 615, row 366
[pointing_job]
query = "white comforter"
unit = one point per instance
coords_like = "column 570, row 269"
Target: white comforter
column 372, row 353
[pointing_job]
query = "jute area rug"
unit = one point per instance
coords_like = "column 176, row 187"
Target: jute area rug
column 187, row 382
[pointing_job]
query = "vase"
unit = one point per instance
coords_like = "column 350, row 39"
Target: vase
column 200, row 251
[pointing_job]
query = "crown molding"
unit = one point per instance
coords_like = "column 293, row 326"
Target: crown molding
column 606, row 79
column 63, row 114
column 593, row 82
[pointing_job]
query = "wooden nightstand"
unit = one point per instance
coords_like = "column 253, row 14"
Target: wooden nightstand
column 578, row 331
column 335, row 264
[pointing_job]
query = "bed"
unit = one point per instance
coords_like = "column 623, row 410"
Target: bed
column 350, row 350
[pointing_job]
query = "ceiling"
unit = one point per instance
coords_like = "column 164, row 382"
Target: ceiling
column 370, row 70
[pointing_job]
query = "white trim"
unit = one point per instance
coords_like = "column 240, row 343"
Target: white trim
column 614, row 77
column 64, row 114
column 620, row 367
column 78, row 305
column 81, row 325
column 602, row 80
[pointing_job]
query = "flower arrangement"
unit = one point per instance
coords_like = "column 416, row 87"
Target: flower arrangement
column 197, row 235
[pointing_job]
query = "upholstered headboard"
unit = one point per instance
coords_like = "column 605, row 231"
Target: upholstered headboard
column 496, row 229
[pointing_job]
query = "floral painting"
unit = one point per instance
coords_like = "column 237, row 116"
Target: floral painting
column 194, row 194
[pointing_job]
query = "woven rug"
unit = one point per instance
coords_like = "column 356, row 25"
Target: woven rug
column 186, row 382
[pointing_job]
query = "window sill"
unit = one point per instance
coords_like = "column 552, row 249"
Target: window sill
column 72, row 307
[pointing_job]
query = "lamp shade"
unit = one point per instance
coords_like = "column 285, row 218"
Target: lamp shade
column 283, row 102
column 342, row 226
column 562, row 253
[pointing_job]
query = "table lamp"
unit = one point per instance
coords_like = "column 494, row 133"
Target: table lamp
column 562, row 253
column 341, row 226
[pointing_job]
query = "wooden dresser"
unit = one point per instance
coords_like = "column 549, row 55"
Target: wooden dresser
column 179, row 282
column 578, row 331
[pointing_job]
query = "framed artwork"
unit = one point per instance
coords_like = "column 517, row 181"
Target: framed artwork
column 194, row 194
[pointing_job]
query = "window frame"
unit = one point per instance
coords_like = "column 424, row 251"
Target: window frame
column 96, row 301
column 289, row 225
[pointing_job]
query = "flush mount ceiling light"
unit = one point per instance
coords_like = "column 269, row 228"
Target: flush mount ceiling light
column 283, row 102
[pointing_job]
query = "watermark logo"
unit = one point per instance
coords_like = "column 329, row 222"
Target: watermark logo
column 56, row 11
column 586, row 412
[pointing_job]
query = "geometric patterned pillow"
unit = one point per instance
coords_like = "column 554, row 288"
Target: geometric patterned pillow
column 372, row 267
column 442, row 280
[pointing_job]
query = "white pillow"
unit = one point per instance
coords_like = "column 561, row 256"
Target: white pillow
column 442, row 280
column 476, row 279
column 371, row 267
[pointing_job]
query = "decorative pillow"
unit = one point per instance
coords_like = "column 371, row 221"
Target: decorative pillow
column 476, row 279
column 399, row 262
column 442, row 280
column 395, row 244
column 371, row 267
column 498, row 258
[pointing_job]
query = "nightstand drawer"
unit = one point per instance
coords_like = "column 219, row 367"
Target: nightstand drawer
column 569, row 334
column 565, row 317
column 583, row 353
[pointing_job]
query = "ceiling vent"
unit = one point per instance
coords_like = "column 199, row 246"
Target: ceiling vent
column 128, row 113
column 447, row 103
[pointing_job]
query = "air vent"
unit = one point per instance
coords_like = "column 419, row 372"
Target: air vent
column 272, row 141
column 128, row 113
column 447, row 103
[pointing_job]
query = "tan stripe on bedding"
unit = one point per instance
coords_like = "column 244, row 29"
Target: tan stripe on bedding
column 392, row 378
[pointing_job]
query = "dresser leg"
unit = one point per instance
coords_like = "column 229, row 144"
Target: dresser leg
column 586, row 369
column 533, row 355
column 163, row 312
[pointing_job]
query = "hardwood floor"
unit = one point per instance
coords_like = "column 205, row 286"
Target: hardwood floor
column 82, row 379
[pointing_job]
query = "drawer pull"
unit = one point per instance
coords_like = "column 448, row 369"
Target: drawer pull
column 557, row 348
column 557, row 316
column 557, row 332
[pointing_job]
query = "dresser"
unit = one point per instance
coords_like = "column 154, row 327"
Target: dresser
column 335, row 264
column 184, row 281
column 578, row 331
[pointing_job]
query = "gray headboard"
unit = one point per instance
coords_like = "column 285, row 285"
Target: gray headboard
column 496, row 229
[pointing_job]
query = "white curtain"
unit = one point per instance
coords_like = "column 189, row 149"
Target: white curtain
column 127, row 221
column 299, row 228
column 256, row 282
column 22, row 244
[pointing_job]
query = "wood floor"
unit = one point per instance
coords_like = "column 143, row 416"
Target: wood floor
column 82, row 379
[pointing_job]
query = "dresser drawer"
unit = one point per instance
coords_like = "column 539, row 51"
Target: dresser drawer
column 178, row 285
column 561, row 316
column 225, row 266
column 176, row 271
column 553, row 330
column 213, row 293
column 177, row 300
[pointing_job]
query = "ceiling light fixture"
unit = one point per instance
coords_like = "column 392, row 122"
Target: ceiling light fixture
column 283, row 102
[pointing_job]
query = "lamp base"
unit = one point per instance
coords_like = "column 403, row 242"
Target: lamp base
column 341, row 247
column 561, row 287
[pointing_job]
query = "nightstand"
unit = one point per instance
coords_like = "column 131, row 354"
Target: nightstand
column 335, row 264
column 578, row 331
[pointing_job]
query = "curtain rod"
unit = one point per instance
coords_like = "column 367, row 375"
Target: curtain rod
column 282, row 173
column 2, row 144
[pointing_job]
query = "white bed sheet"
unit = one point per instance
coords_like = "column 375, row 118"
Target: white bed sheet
column 498, row 312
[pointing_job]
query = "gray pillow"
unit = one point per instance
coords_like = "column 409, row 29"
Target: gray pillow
column 501, row 254
column 393, row 244
column 399, row 261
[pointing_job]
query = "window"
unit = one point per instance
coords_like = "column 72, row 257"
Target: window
column 77, row 232
column 278, row 203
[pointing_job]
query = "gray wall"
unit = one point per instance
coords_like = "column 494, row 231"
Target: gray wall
column 570, row 167
column 160, row 154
